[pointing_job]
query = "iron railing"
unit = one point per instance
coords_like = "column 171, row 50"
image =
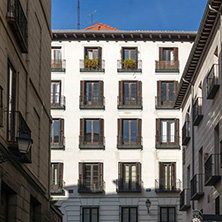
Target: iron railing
column 186, row 133
column 160, row 104
column 58, row 101
column 136, row 67
column 18, row 22
column 87, row 142
column 130, row 102
column 167, row 66
column 167, row 185
column 92, row 102
column 167, row 141
column 129, row 143
column 213, row 81
column 86, row 186
column 58, row 145
column 197, row 111
column 197, row 187
column 185, row 199
column 131, row 186
column 58, row 65
column 212, row 169
column 98, row 67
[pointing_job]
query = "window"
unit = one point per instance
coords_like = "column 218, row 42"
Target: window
column 90, row 177
column 168, row 54
column 129, row 131
column 35, row 210
column 56, row 177
column 167, row 214
column 217, row 205
column 129, row 177
column 1, row 106
column 91, row 132
column 130, row 53
column 57, row 133
column 167, row 176
column 56, row 54
column 167, row 133
column 90, row 214
column 165, row 93
column 91, row 94
column 129, row 214
column 55, row 92
column 92, row 53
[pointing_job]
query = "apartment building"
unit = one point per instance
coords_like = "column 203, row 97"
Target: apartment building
column 25, row 39
column 115, row 141
column 199, row 95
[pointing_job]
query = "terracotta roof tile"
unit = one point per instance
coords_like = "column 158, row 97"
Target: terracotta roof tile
column 101, row 26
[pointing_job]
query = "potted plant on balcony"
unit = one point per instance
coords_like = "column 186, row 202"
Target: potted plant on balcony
column 91, row 63
column 129, row 64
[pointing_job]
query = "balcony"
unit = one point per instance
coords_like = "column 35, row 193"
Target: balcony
column 92, row 65
column 129, row 187
column 16, row 127
column 86, row 186
column 58, row 189
column 136, row 66
column 160, row 104
column 92, row 102
column 197, row 111
column 167, row 186
column 18, row 23
column 167, row 66
column 197, row 187
column 186, row 133
column 129, row 102
column 168, row 142
column 59, row 144
column 129, row 143
column 185, row 199
column 213, row 82
column 87, row 142
column 58, row 102
column 58, row 65
column 212, row 170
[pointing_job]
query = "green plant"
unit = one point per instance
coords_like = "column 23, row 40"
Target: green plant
column 91, row 63
column 129, row 64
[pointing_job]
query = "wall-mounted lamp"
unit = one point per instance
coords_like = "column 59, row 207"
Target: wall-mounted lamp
column 148, row 204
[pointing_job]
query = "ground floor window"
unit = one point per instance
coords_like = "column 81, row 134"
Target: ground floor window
column 167, row 214
column 129, row 214
column 90, row 214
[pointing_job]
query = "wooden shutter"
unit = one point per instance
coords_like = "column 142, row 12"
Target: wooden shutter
column 122, row 54
column 160, row 54
column 81, row 173
column 61, row 131
column 51, row 177
column 139, row 92
column 175, row 54
column 82, row 130
column 99, row 56
column 139, row 131
column 85, row 52
column 82, row 92
column 101, row 129
column 138, row 175
column 120, row 131
column 177, row 134
column 120, row 175
column 60, row 170
column 158, row 93
column 100, row 175
column 120, row 92
column 173, row 173
column 137, row 55
column 101, row 92
column 158, row 131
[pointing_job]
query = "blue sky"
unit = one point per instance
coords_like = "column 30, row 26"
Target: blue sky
column 130, row 14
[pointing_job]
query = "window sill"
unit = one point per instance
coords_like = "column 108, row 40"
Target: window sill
column 91, row 146
column 167, row 70
column 91, row 70
column 57, row 146
column 58, row 107
column 131, row 146
column 58, row 70
column 129, row 70
column 92, row 107
column 167, row 146
column 129, row 107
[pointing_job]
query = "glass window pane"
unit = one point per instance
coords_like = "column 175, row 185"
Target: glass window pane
column 95, row 53
column 171, row 131
column 57, row 55
column 163, row 131
column 164, row 55
column 133, row 177
column 172, row 214
column 56, row 131
column 125, row 131
column 171, row 91
column 133, row 91
column 94, row 215
column 126, row 91
column 88, row 175
column 88, row 91
column 133, row 55
column 126, row 54
column 95, row 177
column 163, row 212
column 126, row 176
column 163, row 92
column 55, row 174
column 95, row 130
column 90, row 54
column 125, row 212
column 86, row 215
column 88, row 130
column 95, row 91
column 133, row 214
column 133, row 131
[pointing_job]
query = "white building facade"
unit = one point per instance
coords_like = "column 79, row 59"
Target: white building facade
column 115, row 137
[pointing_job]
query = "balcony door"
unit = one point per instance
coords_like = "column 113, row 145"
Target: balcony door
column 92, row 131
column 129, row 131
column 56, row 58
column 55, row 92
column 167, row 130
column 129, row 92
column 92, row 92
column 167, row 176
column 129, row 176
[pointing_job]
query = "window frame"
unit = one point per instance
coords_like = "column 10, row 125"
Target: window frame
column 168, row 207
column 130, row 49
column 89, row 207
column 54, row 93
column 53, row 53
column 59, row 184
column 129, row 216
column 161, row 53
column 61, row 131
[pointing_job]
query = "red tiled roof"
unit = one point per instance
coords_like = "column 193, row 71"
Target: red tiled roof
column 101, row 26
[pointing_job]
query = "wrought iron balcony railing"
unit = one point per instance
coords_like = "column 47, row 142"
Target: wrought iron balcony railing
column 18, row 23
column 130, row 187
column 197, row 111
column 89, row 142
column 161, row 104
column 92, row 102
column 197, row 187
column 186, row 133
column 58, row 143
column 58, row 101
column 58, row 189
column 58, row 65
column 213, row 81
column 87, row 186
column 185, row 199
column 167, row 141
column 131, row 102
column 129, row 143
column 167, row 66
column 135, row 67
column 167, row 185
column 212, row 170
column 94, row 66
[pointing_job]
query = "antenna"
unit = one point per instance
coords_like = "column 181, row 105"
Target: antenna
column 91, row 14
column 78, row 12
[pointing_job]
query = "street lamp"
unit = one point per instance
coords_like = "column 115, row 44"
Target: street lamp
column 24, row 145
column 148, row 204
